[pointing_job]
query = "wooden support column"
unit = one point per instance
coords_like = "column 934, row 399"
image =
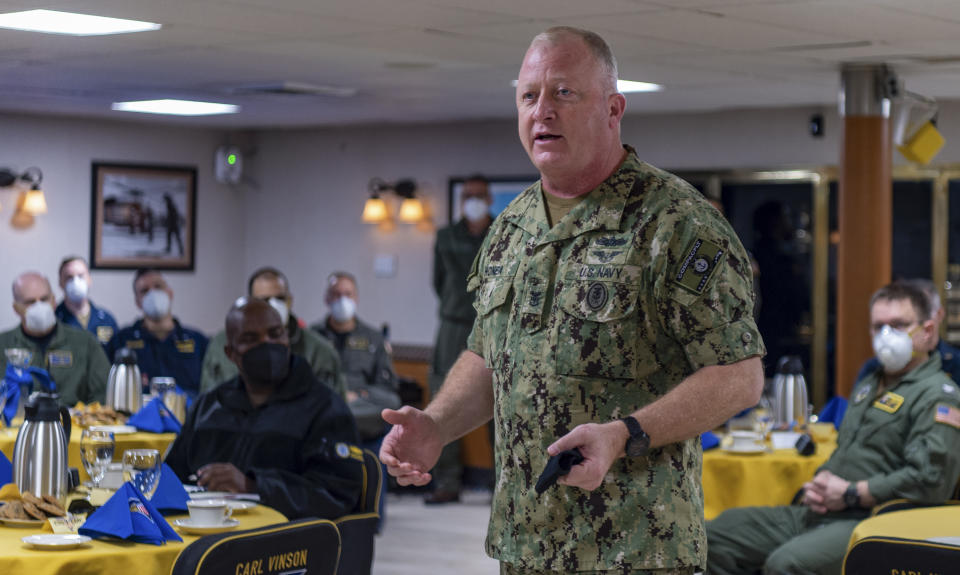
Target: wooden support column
column 865, row 211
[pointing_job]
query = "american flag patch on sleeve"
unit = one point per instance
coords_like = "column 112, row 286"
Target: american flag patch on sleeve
column 947, row 414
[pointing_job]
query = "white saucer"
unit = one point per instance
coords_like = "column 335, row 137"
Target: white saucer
column 56, row 541
column 750, row 450
column 116, row 429
column 947, row 540
column 188, row 526
column 22, row 522
column 240, row 506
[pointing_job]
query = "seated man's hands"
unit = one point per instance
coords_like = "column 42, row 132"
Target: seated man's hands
column 224, row 477
column 825, row 492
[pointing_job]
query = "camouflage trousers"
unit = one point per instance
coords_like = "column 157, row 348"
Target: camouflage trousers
column 508, row 569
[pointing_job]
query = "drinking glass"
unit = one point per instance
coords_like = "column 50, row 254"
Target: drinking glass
column 96, row 450
column 763, row 414
column 142, row 468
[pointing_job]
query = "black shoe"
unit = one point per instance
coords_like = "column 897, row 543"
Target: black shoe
column 439, row 497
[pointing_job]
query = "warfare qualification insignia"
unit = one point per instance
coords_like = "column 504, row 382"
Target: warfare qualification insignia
column 596, row 296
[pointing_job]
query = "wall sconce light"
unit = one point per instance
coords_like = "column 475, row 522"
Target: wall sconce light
column 32, row 201
column 375, row 209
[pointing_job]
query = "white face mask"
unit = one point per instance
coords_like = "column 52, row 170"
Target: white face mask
column 343, row 309
column 39, row 318
column 156, row 304
column 475, row 209
column 281, row 307
column 893, row 347
column 76, row 289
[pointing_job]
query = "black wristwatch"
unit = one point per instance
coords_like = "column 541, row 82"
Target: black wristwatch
column 851, row 497
column 638, row 444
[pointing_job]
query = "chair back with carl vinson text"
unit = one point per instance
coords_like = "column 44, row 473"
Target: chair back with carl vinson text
column 305, row 546
column 358, row 529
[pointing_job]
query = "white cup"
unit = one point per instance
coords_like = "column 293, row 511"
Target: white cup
column 208, row 511
column 746, row 440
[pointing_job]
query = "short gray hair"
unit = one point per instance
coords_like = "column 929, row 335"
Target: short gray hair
column 598, row 47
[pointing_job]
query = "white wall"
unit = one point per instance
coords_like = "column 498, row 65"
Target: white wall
column 304, row 216
column 64, row 149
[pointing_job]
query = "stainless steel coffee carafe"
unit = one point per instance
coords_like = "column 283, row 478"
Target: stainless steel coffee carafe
column 790, row 399
column 40, row 452
column 124, row 388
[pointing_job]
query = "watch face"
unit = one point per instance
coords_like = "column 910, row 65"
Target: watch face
column 636, row 447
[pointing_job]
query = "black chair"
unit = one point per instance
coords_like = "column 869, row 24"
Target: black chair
column 876, row 556
column 358, row 530
column 311, row 545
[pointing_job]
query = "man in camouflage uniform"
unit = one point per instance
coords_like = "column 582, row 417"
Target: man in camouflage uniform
column 898, row 439
column 453, row 254
column 614, row 316
column 270, row 285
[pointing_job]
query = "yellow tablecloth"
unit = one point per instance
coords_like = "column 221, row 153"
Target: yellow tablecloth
column 105, row 557
column 924, row 523
column 139, row 440
column 732, row 480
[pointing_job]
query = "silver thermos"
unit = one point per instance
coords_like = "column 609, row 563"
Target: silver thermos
column 790, row 400
column 40, row 452
column 124, row 388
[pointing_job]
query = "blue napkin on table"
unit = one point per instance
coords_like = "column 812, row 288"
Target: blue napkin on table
column 833, row 411
column 17, row 382
column 170, row 497
column 6, row 470
column 155, row 418
column 131, row 516
column 709, row 440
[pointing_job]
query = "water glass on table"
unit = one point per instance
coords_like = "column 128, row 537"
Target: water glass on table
column 96, row 451
column 142, row 468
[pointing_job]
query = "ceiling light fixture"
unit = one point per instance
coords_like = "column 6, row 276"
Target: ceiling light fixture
column 176, row 107
column 56, row 22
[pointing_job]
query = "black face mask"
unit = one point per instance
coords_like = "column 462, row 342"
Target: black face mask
column 266, row 365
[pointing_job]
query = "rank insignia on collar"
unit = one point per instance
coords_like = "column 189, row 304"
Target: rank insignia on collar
column 699, row 263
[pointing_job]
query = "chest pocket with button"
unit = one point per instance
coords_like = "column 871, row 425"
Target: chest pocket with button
column 493, row 312
column 597, row 329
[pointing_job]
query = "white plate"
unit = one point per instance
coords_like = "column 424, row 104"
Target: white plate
column 948, row 540
column 240, row 506
column 22, row 522
column 116, row 429
column 55, row 541
column 188, row 526
column 750, row 450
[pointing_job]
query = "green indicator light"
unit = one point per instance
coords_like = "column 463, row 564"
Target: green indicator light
column 232, row 159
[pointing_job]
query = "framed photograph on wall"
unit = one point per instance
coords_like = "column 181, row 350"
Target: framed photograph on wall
column 143, row 216
column 503, row 189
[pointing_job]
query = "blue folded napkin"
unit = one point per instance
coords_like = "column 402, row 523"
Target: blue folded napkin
column 170, row 498
column 6, row 470
column 155, row 418
column 833, row 411
column 17, row 382
column 131, row 516
column 709, row 440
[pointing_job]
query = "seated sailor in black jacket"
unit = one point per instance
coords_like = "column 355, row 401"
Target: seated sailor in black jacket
column 273, row 429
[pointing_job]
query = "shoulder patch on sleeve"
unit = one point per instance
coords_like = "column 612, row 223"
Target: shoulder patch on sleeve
column 947, row 414
column 699, row 262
